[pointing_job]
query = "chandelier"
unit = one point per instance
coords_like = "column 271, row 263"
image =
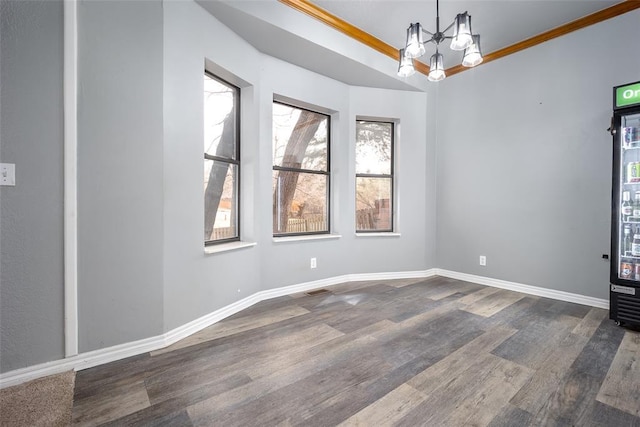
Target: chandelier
column 461, row 39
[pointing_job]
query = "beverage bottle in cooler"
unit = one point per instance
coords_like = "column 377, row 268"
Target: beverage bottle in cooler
column 636, row 207
column 635, row 244
column 627, row 241
column 633, row 172
column 627, row 208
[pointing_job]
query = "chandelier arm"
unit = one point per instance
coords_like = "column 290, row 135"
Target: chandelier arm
column 449, row 27
column 426, row 32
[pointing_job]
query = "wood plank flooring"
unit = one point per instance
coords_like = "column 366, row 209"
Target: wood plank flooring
column 435, row 352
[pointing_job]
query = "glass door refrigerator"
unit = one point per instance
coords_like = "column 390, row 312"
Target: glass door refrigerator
column 625, row 204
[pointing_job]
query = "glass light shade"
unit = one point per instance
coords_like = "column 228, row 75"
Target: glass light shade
column 473, row 54
column 415, row 43
column 436, row 70
column 405, row 65
column 461, row 32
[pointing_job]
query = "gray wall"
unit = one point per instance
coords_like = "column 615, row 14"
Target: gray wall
column 196, row 284
column 31, row 216
column 351, row 254
column 120, row 172
column 524, row 160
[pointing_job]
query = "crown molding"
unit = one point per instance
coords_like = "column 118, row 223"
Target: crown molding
column 307, row 7
column 314, row 11
column 594, row 18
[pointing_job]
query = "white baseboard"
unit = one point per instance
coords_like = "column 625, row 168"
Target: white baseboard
column 526, row 289
column 121, row 351
column 207, row 320
column 301, row 287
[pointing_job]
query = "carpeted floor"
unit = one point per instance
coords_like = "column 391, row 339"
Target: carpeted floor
column 42, row 402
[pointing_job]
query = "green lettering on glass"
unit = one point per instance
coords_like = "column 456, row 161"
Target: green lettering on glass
column 628, row 95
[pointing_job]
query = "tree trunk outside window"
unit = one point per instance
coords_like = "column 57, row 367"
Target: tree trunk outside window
column 302, row 133
column 215, row 184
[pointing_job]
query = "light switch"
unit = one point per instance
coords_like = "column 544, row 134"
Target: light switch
column 7, row 174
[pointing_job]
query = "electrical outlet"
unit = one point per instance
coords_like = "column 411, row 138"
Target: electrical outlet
column 314, row 263
column 483, row 260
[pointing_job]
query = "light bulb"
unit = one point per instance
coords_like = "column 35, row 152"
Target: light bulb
column 461, row 32
column 405, row 65
column 415, row 43
column 473, row 54
column 436, row 70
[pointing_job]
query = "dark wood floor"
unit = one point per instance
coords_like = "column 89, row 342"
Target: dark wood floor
column 436, row 352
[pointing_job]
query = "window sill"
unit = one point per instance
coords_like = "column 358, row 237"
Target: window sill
column 303, row 238
column 387, row 234
column 225, row 247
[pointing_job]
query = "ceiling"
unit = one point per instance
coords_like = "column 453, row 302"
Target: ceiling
column 288, row 34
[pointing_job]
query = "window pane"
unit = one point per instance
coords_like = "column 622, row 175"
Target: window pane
column 220, row 200
column 373, row 204
column 373, row 147
column 300, row 202
column 219, row 118
column 299, row 138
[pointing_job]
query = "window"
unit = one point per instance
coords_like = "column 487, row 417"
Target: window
column 221, row 161
column 300, row 171
column 374, row 176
